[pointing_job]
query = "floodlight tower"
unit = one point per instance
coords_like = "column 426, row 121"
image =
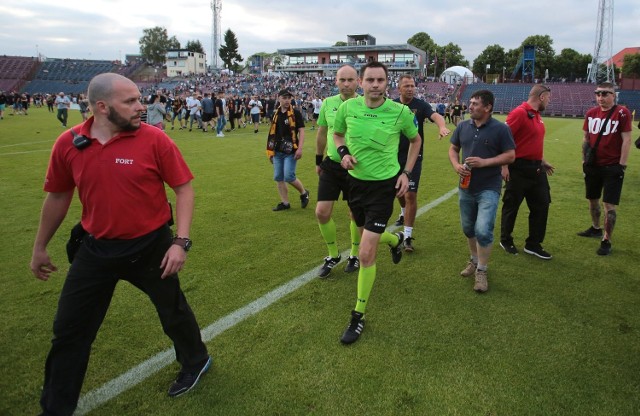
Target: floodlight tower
column 216, row 9
column 601, row 68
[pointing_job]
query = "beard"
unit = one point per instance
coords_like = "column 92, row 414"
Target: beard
column 122, row 123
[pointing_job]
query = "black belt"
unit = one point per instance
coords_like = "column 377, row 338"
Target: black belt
column 527, row 163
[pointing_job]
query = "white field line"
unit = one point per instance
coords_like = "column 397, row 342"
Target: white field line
column 25, row 152
column 26, row 144
column 147, row 368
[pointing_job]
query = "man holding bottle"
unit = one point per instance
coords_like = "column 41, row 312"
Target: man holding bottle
column 486, row 145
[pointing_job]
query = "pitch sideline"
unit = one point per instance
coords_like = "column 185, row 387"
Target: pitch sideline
column 139, row 373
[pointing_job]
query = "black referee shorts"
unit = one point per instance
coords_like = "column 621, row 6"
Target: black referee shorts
column 333, row 180
column 371, row 202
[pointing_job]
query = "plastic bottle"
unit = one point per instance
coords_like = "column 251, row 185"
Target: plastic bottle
column 464, row 180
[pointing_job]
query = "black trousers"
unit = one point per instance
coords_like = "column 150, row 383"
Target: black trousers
column 528, row 180
column 83, row 304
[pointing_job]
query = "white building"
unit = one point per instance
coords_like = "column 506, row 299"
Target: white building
column 181, row 62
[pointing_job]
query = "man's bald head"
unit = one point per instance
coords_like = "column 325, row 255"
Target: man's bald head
column 102, row 86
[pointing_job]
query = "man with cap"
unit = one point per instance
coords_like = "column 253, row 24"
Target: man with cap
column 284, row 148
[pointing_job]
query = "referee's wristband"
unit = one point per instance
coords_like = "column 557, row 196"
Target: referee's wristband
column 318, row 160
column 343, row 151
column 408, row 173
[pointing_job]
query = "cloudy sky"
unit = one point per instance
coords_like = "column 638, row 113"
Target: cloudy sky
column 110, row 29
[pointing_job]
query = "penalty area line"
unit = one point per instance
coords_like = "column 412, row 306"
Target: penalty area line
column 94, row 398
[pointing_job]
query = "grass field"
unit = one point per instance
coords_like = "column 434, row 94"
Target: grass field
column 559, row 337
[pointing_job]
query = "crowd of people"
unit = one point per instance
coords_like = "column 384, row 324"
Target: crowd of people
column 369, row 149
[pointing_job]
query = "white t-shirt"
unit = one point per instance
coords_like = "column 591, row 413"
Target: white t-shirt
column 317, row 103
column 255, row 106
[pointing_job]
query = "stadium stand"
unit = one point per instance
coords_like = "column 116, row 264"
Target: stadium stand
column 72, row 76
column 15, row 71
column 568, row 99
column 69, row 75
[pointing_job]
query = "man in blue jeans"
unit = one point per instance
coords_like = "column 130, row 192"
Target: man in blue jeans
column 486, row 145
column 284, row 148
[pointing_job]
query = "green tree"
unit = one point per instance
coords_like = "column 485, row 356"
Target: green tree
column 340, row 43
column 194, row 46
column 229, row 51
column 570, row 64
column 422, row 40
column 493, row 55
column 631, row 65
column 451, row 54
column 155, row 42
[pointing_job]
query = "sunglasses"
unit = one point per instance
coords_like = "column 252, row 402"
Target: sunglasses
column 602, row 93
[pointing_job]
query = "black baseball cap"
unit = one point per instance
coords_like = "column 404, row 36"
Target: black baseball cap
column 284, row 92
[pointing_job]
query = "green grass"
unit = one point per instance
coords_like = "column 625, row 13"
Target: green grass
column 549, row 338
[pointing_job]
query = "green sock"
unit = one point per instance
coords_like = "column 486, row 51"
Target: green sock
column 389, row 238
column 328, row 232
column 366, row 277
column 355, row 238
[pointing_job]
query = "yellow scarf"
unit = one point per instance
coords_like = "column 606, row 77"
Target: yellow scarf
column 272, row 139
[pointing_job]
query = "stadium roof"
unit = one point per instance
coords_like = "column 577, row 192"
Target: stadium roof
column 352, row 48
column 618, row 58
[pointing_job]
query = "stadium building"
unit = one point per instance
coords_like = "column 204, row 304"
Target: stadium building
column 360, row 49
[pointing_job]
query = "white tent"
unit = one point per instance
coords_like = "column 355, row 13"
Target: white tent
column 455, row 74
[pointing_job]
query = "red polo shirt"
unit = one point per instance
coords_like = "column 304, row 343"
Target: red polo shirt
column 528, row 130
column 121, row 183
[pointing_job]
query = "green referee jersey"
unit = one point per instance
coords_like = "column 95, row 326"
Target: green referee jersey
column 327, row 118
column 373, row 135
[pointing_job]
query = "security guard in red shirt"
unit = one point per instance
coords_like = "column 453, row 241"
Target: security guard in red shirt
column 526, row 177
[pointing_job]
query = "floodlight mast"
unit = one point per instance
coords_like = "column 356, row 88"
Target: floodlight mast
column 601, row 67
column 216, row 9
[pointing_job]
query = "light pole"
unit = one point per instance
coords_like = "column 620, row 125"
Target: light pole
column 503, row 69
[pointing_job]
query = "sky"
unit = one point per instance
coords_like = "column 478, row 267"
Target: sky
column 110, row 29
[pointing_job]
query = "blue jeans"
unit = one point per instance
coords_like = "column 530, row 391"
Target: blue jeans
column 222, row 121
column 284, row 167
column 478, row 214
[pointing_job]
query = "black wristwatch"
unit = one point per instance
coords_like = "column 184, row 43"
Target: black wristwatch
column 408, row 173
column 183, row 242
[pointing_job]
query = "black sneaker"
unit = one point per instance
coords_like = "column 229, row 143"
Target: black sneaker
column 408, row 244
column 591, row 232
column 329, row 263
column 281, row 207
column 537, row 251
column 509, row 247
column 396, row 252
column 353, row 264
column 400, row 221
column 605, row 248
column 304, row 199
column 186, row 381
column 353, row 331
